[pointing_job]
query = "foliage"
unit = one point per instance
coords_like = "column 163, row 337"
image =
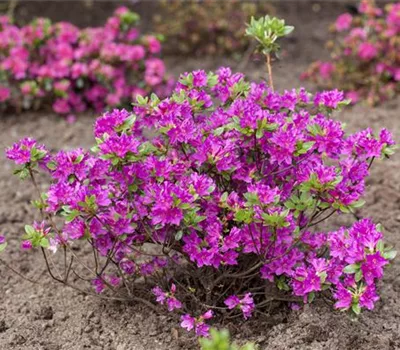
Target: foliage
column 219, row 340
column 223, row 200
column 73, row 69
column 365, row 59
column 267, row 30
column 207, row 27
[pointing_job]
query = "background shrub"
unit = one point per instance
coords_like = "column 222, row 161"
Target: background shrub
column 75, row 69
column 365, row 59
column 207, row 27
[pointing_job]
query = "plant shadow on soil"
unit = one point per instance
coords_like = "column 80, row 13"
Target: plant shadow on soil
column 48, row 316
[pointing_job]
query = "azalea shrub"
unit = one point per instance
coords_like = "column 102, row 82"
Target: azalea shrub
column 206, row 27
column 74, row 69
column 365, row 59
column 209, row 202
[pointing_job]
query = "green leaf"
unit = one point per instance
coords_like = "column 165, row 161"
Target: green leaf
column 22, row 173
column 287, row 30
column 44, row 242
column 78, row 159
column 3, row 246
column 356, row 308
column 52, row 165
column 310, row 297
column 243, row 215
column 380, row 246
column 390, row 255
column 219, row 131
column 358, row 276
column 281, row 284
column 179, row 235
column 224, row 197
column 358, row 204
column 350, row 269
column 30, row 230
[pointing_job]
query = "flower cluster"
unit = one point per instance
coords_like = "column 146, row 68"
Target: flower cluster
column 167, row 298
column 215, row 189
column 246, row 304
column 365, row 57
column 197, row 323
column 74, row 69
column 207, row 27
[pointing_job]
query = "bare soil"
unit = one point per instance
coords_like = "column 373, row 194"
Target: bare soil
column 47, row 316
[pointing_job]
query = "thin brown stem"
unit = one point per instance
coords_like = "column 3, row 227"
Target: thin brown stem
column 269, row 68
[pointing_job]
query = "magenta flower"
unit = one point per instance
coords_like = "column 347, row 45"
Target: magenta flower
column 369, row 297
column 343, row 296
column 26, row 245
column 98, row 284
column 26, row 151
column 372, row 268
column 246, row 304
column 198, row 324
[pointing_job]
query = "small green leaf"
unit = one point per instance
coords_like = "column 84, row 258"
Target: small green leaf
column 44, row 242
column 310, row 297
column 390, row 255
column 3, row 246
column 380, row 246
column 179, row 235
column 358, row 276
column 358, row 204
column 52, row 165
column 356, row 308
column 29, row 230
column 350, row 269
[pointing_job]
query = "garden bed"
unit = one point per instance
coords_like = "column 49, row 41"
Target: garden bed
column 48, row 316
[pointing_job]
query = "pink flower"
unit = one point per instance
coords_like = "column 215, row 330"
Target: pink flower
column 232, row 301
column 153, row 44
column 5, row 93
column 188, row 322
column 354, row 96
column 167, row 298
column 343, row 22
column 71, row 118
column 61, row 106
column 326, row 69
column 367, row 51
column 155, row 71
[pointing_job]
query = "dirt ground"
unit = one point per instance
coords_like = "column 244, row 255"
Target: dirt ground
column 46, row 316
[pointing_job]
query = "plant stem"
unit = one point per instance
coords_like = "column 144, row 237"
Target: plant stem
column 269, row 68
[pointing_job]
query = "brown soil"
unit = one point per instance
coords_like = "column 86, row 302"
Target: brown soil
column 49, row 317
